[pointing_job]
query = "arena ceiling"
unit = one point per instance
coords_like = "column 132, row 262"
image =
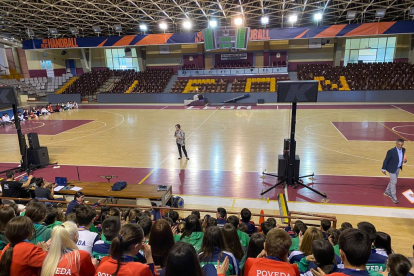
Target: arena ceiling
column 17, row 16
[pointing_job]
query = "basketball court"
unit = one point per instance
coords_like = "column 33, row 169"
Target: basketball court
column 229, row 148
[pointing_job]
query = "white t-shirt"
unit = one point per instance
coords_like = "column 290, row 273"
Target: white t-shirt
column 86, row 240
column 5, row 119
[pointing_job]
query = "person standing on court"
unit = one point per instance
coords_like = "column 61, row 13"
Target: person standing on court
column 393, row 164
column 180, row 139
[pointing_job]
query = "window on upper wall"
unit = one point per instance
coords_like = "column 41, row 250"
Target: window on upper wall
column 46, row 64
column 117, row 59
column 371, row 49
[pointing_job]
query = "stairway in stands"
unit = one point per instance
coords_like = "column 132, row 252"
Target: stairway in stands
column 129, row 90
column 170, row 84
column 107, row 85
column 66, row 85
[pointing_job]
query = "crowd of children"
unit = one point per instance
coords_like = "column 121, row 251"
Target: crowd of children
column 45, row 241
column 34, row 112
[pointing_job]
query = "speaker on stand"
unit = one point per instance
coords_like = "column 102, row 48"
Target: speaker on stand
column 38, row 156
column 33, row 140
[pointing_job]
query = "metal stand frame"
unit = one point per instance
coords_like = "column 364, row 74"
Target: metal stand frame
column 289, row 177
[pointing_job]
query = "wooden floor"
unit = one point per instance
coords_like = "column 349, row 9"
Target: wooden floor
column 231, row 141
column 225, row 140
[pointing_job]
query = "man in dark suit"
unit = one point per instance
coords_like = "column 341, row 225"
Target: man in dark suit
column 393, row 163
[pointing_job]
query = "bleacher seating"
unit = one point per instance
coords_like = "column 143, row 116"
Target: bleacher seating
column 47, row 85
column 200, row 86
column 149, row 81
column 22, row 88
column 152, row 80
column 88, row 83
column 360, row 76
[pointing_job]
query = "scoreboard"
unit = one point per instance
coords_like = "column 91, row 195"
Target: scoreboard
column 226, row 38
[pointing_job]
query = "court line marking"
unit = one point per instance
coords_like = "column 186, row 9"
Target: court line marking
column 362, row 157
column 394, row 131
column 310, row 132
column 402, row 109
column 84, row 130
column 142, row 181
column 79, row 137
column 411, row 134
column 339, row 131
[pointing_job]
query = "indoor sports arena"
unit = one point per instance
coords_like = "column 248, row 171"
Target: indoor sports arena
column 207, row 137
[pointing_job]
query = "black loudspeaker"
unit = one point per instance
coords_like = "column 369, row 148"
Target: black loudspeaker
column 260, row 101
column 282, row 166
column 38, row 157
column 8, row 96
column 33, row 140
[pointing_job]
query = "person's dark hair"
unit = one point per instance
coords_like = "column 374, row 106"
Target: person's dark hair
column 130, row 234
column 15, row 208
column 398, row 265
column 196, row 213
column 369, row 228
column 222, row 212
column 71, row 217
column 146, row 224
column 356, row 246
column 334, row 235
column 272, row 221
column 161, row 241
column 211, row 222
column 232, row 241
column 400, row 140
column 277, row 244
column 324, row 255
column 182, row 260
column 170, row 221
column 6, row 214
column 325, row 224
column 36, row 211
column 346, row 225
column 213, row 238
column 256, row 245
column 192, row 224
column 173, row 215
column 243, row 227
column 266, row 227
column 133, row 215
column 18, row 229
column 383, row 241
column 33, row 200
column 300, row 227
column 113, row 212
column 111, row 227
column 77, row 195
column 146, row 213
column 233, row 220
column 9, row 174
column 85, row 215
column 51, row 214
column 246, row 215
column 178, row 125
column 39, row 181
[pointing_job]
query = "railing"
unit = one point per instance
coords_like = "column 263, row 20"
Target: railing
column 292, row 215
column 231, row 71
